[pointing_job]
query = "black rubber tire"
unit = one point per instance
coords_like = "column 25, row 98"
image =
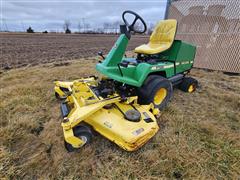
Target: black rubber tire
column 80, row 131
column 186, row 83
column 150, row 87
column 58, row 97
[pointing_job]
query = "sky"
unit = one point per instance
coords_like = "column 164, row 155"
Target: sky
column 18, row 15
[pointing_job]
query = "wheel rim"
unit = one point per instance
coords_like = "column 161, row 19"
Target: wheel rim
column 84, row 139
column 191, row 88
column 159, row 96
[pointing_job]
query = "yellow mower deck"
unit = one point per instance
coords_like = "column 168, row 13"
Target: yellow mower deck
column 105, row 115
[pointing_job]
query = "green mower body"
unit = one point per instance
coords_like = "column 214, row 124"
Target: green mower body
column 177, row 59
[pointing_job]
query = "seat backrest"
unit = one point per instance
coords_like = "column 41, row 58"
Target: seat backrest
column 164, row 32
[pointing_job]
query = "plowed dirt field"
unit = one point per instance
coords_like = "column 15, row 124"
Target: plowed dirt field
column 21, row 49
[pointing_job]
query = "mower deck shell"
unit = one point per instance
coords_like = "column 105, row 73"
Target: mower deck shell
column 85, row 106
column 127, row 134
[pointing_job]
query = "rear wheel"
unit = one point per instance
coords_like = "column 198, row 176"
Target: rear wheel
column 84, row 133
column 157, row 90
column 188, row 84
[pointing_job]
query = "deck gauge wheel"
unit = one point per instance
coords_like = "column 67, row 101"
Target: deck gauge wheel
column 84, row 133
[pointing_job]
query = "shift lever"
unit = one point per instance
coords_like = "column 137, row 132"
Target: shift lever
column 100, row 53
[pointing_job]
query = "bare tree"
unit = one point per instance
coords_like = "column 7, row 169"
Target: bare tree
column 100, row 30
column 106, row 27
column 30, row 30
column 87, row 27
column 66, row 26
column 83, row 23
column 80, row 27
column 150, row 28
column 116, row 25
column 111, row 27
column 138, row 26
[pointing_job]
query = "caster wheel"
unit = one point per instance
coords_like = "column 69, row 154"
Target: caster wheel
column 84, row 133
column 58, row 97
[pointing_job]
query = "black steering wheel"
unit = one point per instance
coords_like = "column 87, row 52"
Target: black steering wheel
column 131, row 26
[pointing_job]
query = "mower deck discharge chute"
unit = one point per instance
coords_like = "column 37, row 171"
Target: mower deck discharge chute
column 123, row 105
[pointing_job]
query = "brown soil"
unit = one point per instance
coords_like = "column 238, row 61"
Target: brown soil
column 21, row 49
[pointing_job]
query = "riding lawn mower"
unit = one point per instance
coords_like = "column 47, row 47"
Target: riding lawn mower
column 124, row 104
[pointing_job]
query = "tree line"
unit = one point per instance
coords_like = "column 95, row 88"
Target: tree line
column 84, row 27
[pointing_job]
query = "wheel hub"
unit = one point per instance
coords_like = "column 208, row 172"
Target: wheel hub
column 191, row 88
column 159, row 96
column 84, row 139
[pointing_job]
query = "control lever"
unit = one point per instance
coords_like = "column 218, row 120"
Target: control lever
column 100, row 53
column 122, row 64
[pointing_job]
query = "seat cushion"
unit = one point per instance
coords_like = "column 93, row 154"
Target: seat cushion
column 152, row 48
column 161, row 38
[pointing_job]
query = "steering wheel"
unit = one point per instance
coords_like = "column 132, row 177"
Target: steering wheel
column 131, row 26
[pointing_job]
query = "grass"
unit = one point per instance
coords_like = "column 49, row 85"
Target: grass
column 199, row 133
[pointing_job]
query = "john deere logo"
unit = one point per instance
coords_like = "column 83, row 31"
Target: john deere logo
column 156, row 67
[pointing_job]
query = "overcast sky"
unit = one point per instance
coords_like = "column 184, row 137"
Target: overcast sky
column 17, row 15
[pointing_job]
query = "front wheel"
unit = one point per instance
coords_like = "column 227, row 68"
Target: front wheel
column 157, row 90
column 84, row 133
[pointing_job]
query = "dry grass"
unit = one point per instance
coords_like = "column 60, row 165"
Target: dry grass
column 199, row 136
